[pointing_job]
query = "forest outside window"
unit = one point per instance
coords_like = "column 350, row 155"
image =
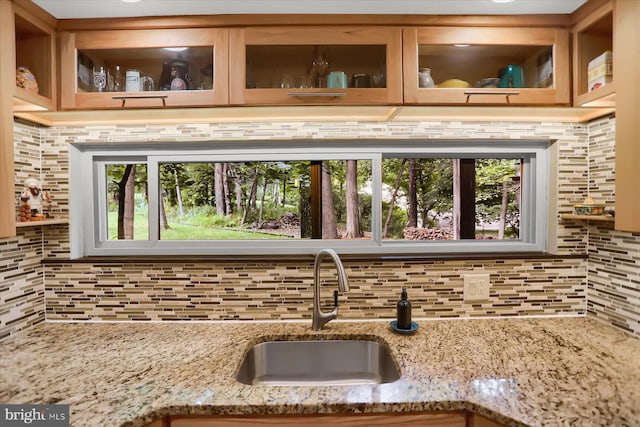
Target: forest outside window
column 297, row 197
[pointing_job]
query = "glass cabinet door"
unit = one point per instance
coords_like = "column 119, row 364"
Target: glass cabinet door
column 486, row 65
column 315, row 66
column 144, row 68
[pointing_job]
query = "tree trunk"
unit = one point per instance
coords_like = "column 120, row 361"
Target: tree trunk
column 164, row 224
column 392, row 202
column 238, row 191
column 304, row 207
column 329, row 226
column 225, row 188
column 122, row 200
column 219, row 188
column 353, row 206
column 254, row 189
column 413, row 196
column 129, row 203
column 178, row 195
column 264, row 190
column 503, row 209
column 251, row 202
column 284, row 191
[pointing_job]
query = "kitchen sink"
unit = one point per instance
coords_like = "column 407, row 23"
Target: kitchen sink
column 319, row 362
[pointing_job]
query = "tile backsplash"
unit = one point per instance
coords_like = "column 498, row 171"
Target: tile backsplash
column 284, row 290
column 564, row 285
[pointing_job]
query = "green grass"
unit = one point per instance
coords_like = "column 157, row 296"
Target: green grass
column 180, row 231
column 140, row 226
column 194, row 232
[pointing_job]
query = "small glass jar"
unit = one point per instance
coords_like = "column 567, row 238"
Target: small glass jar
column 424, row 78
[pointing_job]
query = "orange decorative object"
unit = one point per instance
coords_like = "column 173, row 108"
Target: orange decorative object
column 25, row 212
column 26, row 79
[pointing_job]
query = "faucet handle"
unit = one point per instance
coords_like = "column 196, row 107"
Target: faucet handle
column 335, row 298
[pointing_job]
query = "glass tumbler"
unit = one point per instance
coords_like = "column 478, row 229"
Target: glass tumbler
column 99, row 79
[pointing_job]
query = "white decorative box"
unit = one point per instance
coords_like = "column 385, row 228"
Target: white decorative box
column 600, row 70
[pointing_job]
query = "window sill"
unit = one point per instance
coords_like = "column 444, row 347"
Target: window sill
column 305, row 258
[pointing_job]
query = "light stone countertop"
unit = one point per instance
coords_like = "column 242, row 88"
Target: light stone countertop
column 552, row 372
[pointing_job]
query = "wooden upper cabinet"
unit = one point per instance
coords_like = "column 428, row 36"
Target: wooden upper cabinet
column 143, row 68
column 35, row 43
column 627, row 57
column 291, row 65
column 593, row 38
column 529, row 65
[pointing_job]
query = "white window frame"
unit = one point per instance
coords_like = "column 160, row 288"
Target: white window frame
column 87, row 183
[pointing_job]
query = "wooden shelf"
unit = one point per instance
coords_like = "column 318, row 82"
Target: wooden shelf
column 39, row 223
column 604, row 96
column 23, row 100
column 575, row 217
column 311, row 113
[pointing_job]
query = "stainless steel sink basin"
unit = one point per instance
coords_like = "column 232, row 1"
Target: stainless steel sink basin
column 320, row 362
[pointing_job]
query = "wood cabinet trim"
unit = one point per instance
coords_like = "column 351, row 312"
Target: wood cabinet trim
column 36, row 15
column 251, row 20
column 486, row 36
column 588, row 20
column 416, row 419
column 7, row 85
column 625, row 42
column 145, row 38
column 587, row 9
column 562, row 67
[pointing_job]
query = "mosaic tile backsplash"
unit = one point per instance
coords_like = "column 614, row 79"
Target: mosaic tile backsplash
column 567, row 285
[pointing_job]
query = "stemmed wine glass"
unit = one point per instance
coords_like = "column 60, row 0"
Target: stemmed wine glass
column 320, row 64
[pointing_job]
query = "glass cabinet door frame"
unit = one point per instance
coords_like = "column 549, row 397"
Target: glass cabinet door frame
column 390, row 37
column 557, row 38
column 72, row 42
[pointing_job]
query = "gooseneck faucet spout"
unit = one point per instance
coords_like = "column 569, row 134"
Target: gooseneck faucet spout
column 319, row 317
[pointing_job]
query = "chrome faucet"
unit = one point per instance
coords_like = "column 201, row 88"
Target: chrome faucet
column 319, row 317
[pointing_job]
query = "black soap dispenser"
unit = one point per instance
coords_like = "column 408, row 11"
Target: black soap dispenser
column 403, row 317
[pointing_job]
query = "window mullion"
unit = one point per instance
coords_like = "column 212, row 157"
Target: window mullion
column 153, row 182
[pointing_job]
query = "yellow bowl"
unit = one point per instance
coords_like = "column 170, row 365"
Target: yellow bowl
column 454, row 83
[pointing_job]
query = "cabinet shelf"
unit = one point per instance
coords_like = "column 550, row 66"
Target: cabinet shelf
column 576, row 217
column 40, row 223
column 604, row 96
column 24, row 100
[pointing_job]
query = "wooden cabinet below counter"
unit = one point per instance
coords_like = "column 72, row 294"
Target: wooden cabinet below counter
column 409, row 419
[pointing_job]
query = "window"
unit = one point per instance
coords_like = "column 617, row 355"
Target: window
column 382, row 197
